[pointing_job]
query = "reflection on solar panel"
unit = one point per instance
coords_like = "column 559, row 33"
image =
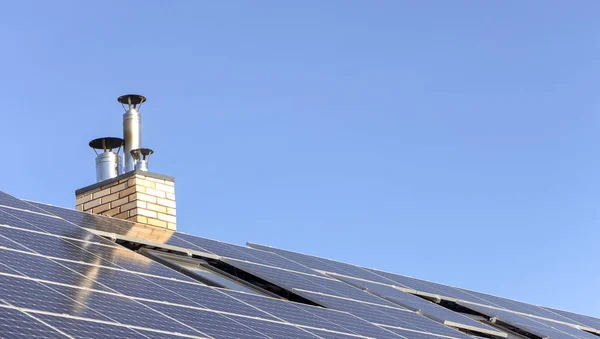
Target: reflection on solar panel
column 60, row 275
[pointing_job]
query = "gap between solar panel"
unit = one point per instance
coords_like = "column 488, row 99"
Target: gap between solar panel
column 214, row 272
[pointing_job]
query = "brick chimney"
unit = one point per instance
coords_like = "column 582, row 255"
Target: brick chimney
column 139, row 196
column 125, row 189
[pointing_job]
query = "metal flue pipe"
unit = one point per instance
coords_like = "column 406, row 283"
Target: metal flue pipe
column 132, row 127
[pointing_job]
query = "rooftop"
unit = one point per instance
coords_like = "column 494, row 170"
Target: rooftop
column 67, row 273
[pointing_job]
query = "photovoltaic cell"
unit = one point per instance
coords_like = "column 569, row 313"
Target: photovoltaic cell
column 413, row 334
column 123, row 310
column 7, row 243
column 319, row 284
column 211, row 298
column 522, row 307
column 323, row 264
column 87, row 329
column 242, row 253
column 275, row 330
column 210, row 323
column 286, row 310
column 10, row 201
column 313, row 316
column 16, row 324
column 386, row 315
column 579, row 318
column 331, row 335
column 49, row 224
column 25, row 293
column 41, row 268
column 539, row 327
column 414, row 303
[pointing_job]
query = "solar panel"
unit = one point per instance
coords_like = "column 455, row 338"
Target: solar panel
column 585, row 320
column 427, row 308
column 60, row 274
column 46, row 223
column 413, row 334
column 517, row 306
column 17, row 324
column 88, row 329
column 313, row 316
column 384, row 315
column 314, row 283
column 539, row 327
column 10, row 201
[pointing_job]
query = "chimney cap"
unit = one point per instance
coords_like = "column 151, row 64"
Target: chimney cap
column 106, row 143
column 131, row 99
column 144, row 152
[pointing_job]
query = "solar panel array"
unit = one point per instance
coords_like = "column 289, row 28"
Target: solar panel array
column 58, row 278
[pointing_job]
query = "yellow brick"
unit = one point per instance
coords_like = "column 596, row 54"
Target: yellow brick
column 119, row 202
column 167, row 218
column 118, row 187
column 101, row 208
column 79, row 207
column 131, row 190
column 172, row 226
column 132, row 205
column 143, row 182
column 171, row 196
column 143, row 197
column 102, row 193
column 160, row 181
column 155, row 193
column 155, row 222
column 138, row 218
column 110, row 198
column 89, row 192
column 165, row 188
column 157, row 208
column 83, row 199
column 112, row 212
column 145, row 212
column 123, row 215
column 92, row 204
column 171, row 211
column 165, row 202
column 170, row 183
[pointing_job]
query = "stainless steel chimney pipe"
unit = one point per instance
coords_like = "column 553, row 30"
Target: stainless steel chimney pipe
column 132, row 127
column 107, row 162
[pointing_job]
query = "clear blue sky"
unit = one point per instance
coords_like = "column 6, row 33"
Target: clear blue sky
column 456, row 141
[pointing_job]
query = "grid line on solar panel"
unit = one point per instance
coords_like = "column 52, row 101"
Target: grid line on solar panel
column 322, row 264
column 417, row 304
column 131, row 285
column 92, row 253
column 329, row 265
column 302, row 314
column 588, row 321
column 412, row 334
column 49, row 224
column 10, row 201
column 79, row 241
column 99, row 305
column 524, row 308
column 382, row 315
column 292, row 280
column 536, row 326
column 94, row 325
column 17, row 324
